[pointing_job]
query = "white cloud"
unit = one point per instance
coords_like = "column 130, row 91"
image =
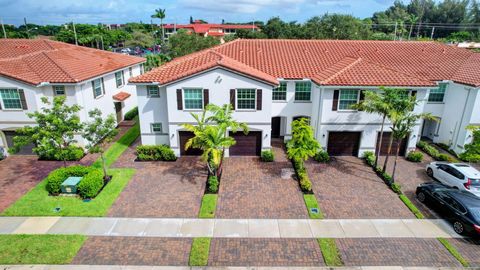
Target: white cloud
column 240, row 6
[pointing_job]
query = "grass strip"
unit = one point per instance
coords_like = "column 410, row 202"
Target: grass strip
column 37, row 201
column 208, row 207
column 39, row 249
column 411, row 206
column 311, row 202
column 454, row 251
column 199, row 251
column 117, row 148
column 330, row 252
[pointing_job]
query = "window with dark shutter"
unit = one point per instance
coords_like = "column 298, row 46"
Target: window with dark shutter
column 361, row 98
column 259, row 99
column 335, row 100
column 179, row 99
column 205, row 98
column 21, row 93
column 232, row 98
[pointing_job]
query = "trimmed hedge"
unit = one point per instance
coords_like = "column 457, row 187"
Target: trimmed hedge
column 267, row 156
column 469, row 157
column 434, row 153
column 322, row 156
column 56, row 177
column 91, row 184
column 130, row 115
column 415, row 156
column 155, row 152
column 304, row 180
column 213, row 184
column 73, row 153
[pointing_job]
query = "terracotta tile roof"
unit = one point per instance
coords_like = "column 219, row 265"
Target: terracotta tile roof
column 35, row 61
column 121, row 96
column 363, row 63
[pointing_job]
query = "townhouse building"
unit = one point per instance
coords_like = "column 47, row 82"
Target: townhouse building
column 90, row 78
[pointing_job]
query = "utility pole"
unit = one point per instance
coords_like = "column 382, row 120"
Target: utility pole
column 433, row 31
column 26, row 26
column 3, row 28
column 395, row 36
column 75, row 33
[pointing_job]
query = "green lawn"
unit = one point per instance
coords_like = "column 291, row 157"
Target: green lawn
column 454, row 252
column 209, row 205
column 199, row 251
column 411, row 206
column 39, row 249
column 311, row 202
column 37, row 202
column 330, row 252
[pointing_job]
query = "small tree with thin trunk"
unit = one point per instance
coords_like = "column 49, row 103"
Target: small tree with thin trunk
column 99, row 132
column 303, row 144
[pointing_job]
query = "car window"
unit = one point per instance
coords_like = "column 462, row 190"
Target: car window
column 457, row 206
column 475, row 213
column 475, row 182
column 454, row 172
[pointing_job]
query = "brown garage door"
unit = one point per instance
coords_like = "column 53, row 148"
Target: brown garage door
column 343, row 143
column 26, row 150
column 386, row 141
column 247, row 145
column 184, row 137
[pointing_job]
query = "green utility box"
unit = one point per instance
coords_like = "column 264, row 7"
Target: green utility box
column 69, row 186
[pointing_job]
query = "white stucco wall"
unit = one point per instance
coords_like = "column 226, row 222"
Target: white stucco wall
column 153, row 110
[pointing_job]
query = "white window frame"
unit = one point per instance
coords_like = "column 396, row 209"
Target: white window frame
column 236, row 100
column 122, row 77
column 286, row 92
column 153, row 96
column 183, row 98
column 444, row 93
column 59, row 88
column 152, row 128
column 339, row 99
column 101, row 89
column 11, row 109
column 295, row 92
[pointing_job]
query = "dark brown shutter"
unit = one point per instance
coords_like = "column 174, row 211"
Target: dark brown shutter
column 362, row 97
column 22, row 99
column 205, row 97
column 179, row 99
column 259, row 99
column 232, row 98
column 335, row 100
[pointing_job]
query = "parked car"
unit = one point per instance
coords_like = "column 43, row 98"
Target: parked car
column 457, row 175
column 460, row 207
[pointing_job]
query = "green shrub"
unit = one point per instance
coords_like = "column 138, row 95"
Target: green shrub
column 155, row 152
column 322, row 156
column 131, row 114
column 369, row 157
column 421, row 144
column 72, row 153
column 415, row 156
column 397, row 188
column 267, row 156
column 470, row 157
column 442, row 157
column 213, row 184
column 91, row 184
column 56, row 177
column 306, row 184
column 2, row 155
column 444, row 146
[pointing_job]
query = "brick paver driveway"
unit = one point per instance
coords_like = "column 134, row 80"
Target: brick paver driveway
column 347, row 188
column 253, row 189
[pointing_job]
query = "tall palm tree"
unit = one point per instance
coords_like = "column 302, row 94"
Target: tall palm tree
column 160, row 14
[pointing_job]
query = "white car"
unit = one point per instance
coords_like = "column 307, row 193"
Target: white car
column 457, row 175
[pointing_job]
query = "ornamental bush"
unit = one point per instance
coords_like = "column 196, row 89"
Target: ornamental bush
column 56, row 177
column 322, row 156
column 131, row 114
column 213, row 184
column 72, row 153
column 470, row 157
column 415, row 156
column 91, row 184
column 369, row 157
column 267, row 156
column 397, row 188
column 155, row 152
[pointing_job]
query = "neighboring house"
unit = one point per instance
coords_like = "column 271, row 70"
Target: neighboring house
column 208, row 29
column 32, row 69
column 270, row 83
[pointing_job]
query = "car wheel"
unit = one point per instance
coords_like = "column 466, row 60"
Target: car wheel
column 421, row 197
column 458, row 227
column 430, row 172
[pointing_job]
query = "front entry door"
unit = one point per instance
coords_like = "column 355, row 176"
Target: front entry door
column 276, row 127
column 118, row 111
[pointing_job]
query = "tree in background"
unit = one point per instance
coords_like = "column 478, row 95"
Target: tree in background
column 140, row 39
column 156, row 60
column 54, row 134
column 160, row 14
column 99, row 132
column 472, row 150
column 183, row 43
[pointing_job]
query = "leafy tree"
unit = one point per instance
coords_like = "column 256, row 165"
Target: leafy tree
column 57, row 124
column 303, row 144
column 160, row 14
column 472, row 150
column 248, row 34
column 155, row 60
column 140, row 39
column 99, row 132
column 183, row 43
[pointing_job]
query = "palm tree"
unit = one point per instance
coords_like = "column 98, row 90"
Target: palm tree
column 412, row 20
column 160, row 14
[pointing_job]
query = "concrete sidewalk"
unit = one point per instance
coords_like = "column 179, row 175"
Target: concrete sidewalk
column 231, row 228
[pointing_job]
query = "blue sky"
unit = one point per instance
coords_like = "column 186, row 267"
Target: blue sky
column 119, row 11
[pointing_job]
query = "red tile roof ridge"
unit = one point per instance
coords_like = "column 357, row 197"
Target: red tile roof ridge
column 339, row 40
column 352, row 61
column 398, row 71
column 60, row 67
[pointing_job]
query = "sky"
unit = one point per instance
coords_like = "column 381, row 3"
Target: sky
column 121, row 11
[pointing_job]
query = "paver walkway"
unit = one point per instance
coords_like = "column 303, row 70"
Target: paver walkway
column 251, row 188
column 142, row 267
column 230, row 228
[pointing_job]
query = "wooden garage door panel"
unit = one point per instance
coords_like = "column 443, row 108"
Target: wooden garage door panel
column 386, row 141
column 26, row 150
column 247, row 145
column 343, row 143
column 184, row 137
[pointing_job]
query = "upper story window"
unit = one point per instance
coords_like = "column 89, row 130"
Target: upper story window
column 153, row 91
column 98, row 89
column 246, row 99
column 10, row 99
column 303, row 91
column 437, row 94
column 193, row 99
column 347, row 99
column 280, row 92
column 59, row 90
column 119, row 79
column 130, row 71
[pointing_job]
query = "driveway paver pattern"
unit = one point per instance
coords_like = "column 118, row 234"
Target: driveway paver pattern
column 251, row 188
column 394, row 252
column 163, row 189
column 101, row 250
column 469, row 248
column 347, row 188
column 264, row 252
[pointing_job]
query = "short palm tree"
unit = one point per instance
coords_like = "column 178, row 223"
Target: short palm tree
column 160, row 14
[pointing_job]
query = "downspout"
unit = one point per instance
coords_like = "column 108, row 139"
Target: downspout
column 463, row 115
